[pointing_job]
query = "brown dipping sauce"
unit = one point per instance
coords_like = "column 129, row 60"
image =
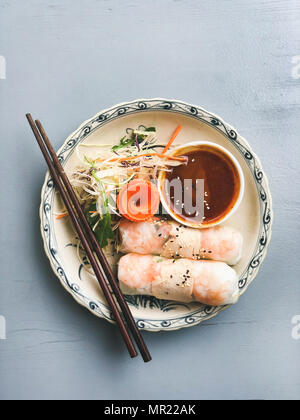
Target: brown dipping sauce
column 221, row 184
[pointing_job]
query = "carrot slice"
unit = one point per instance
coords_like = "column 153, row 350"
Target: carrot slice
column 173, row 137
column 138, row 200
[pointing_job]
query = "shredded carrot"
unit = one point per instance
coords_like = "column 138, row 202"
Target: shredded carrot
column 61, row 216
column 180, row 159
column 161, row 155
column 173, row 137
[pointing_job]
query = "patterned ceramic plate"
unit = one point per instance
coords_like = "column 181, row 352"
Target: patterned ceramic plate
column 253, row 218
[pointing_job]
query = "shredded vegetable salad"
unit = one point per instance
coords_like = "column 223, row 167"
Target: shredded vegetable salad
column 98, row 180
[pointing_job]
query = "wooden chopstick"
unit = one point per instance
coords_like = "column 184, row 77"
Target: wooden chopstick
column 101, row 257
column 84, row 241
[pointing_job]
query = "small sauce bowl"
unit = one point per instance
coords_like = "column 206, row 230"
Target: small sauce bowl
column 207, row 190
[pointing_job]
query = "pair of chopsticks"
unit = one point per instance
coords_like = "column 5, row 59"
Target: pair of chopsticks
column 90, row 245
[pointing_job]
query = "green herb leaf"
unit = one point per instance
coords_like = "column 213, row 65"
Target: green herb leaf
column 103, row 230
column 131, row 140
column 123, row 143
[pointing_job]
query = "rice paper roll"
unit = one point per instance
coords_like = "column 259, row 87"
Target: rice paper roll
column 172, row 240
column 183, row 280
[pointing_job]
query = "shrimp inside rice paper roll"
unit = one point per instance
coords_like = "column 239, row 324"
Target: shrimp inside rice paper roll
column 172, row 240
column 184, row 280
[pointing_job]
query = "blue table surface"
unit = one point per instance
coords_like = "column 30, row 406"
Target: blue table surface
column 63, row 61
